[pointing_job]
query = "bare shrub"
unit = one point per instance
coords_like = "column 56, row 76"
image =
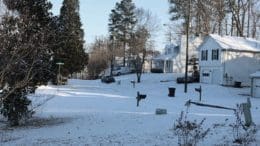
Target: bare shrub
column 242, row 135
column 189, row 132
column 5, row 137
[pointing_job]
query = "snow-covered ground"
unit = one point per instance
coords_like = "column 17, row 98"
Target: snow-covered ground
column 92, row 113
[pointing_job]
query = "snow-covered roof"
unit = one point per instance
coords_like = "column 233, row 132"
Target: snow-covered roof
column 237, row 43
column 195, row 43
column 255, row 75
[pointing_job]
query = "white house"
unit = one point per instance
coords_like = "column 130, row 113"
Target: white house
column 174, row 57
column 165, row 61
column 228, row 59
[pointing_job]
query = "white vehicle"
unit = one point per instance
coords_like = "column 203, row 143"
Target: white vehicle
column 119, row 70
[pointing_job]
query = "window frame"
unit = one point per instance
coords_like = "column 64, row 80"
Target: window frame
column 215, row 54
column 204, row 55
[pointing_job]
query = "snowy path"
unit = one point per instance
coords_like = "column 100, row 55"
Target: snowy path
column 92, row 113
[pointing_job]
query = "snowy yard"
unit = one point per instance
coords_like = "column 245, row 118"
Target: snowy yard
column 92, row 113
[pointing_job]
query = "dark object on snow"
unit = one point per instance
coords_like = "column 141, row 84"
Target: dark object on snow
column 160, row 111
column 237, row 84
column 190, row 79
column 133, row 82
column 196, row 76
column 108, row 79
column 182, row 80
column 156, row 70
column 189, row 102
column 140, row 97
column 171, row 92
column 199, row 90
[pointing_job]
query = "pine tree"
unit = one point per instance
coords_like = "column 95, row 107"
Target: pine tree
column 114, row 22
column 121, row 23
column 113, row 27
column 71, row 46
column 25, row 55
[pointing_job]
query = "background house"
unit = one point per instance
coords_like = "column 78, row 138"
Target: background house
column 226, row 59
column 165, row 61
column 173, row 58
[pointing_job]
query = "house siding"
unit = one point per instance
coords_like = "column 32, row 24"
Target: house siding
column 212, row 67
column 239, row 65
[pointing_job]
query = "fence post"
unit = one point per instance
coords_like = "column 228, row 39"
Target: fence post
column 247, row 114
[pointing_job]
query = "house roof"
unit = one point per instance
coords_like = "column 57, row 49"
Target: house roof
column 255, row 75
column 237, row 43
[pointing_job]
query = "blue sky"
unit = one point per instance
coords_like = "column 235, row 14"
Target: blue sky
column 94, row 16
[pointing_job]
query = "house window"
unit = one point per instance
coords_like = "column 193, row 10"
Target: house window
column 205, row 74
column 204, row 55
column 215, row 54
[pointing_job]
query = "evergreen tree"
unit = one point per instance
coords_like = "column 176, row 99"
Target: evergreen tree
column 25, row 55
column 114, row 22
column 121, row 23
column 71, row 46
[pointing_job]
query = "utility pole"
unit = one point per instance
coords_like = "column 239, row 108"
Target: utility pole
column 187, row 47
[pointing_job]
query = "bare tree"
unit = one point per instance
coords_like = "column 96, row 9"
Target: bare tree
column 255, row 16
column 207, row 16
column 102, row 55
column 238, row 9
column 98, row 58
column 142, row 39
column 138, row 50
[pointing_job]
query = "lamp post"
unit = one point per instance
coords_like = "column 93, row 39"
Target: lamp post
column 59, row 75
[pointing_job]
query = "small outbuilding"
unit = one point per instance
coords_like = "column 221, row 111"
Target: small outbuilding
column 255, row 84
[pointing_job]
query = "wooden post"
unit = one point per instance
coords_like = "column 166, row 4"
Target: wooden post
column 199, row 90
column 249, row 102
column 133, row 82
column 138, row 99
column 247, row 114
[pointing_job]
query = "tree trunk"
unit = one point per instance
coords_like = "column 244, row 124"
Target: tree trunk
column 248, row 18
column 138, row 77
column 232, row 25
column 254, row 27
column 226, row 26
column 124, row 59
column 111, row 67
